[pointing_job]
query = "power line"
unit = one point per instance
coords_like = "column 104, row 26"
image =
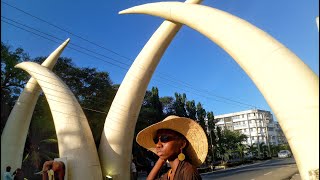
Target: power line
column 51, row 95
column 62, row 29
column 189, row 86
column 66, row 47
column 63, row 40
column 185, row 84
column 181, row 82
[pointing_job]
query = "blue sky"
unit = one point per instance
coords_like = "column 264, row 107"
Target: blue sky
column 192, row 63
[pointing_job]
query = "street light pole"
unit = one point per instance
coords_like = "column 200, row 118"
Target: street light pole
column 257, row 138
column 211, row 146
column 267, row 133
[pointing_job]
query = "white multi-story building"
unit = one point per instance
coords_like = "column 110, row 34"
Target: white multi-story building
column 258, row 125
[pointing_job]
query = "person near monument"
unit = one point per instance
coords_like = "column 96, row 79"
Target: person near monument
column 7, row 175
column 179, row 141
column 18, row 174
column 52, row 170
column 133, row 170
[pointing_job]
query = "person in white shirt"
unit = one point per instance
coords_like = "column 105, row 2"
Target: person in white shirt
column 133, row 171
column 7, row 175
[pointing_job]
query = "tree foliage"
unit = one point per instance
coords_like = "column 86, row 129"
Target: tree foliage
column 201, row 115
column 180, row 104
column 229, row 140
column 95, row 92
column 151, row 110
column 191, row 109
column 167, row 105
column 12, row 79
column 212, row 136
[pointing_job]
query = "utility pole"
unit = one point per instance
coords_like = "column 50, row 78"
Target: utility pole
column 258, row 139
column 267, row 132
column 211, row 146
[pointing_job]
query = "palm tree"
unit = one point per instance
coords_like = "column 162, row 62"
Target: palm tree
column 241, row 148
column 41, row 144
column 226, row 156
column 263, row 149
column 253, row 149
column 37, row 152
column 274, row 150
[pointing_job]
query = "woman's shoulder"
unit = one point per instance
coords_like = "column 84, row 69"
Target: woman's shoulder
column 188, row 171
column 188, row 166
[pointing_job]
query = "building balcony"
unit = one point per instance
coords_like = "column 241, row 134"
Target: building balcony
column 240, row 126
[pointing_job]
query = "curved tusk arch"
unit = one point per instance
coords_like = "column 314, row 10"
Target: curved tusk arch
column 116, row 139
column 75, row 139
column 288, row 85
column 13, row 137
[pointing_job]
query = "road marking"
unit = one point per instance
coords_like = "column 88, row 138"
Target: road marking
column 252, row 179
column 268, row 173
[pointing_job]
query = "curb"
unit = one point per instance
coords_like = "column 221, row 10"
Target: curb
column 241, row 166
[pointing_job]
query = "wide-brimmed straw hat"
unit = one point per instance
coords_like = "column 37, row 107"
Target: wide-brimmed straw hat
column 198, row 143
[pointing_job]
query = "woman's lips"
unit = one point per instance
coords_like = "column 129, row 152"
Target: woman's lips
column 159, row 153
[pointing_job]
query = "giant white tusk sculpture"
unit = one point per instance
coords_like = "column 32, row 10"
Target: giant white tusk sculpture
column 75, row 140
column 289, row 86
column 14, row 134
column 116, row 139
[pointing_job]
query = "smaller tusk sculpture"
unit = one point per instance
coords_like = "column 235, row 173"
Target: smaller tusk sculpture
column 13, row 137
column 74, row 135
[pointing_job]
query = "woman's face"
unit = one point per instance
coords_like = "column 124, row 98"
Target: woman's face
column 168, row 144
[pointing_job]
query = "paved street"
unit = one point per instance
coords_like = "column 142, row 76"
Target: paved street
column 275, row 169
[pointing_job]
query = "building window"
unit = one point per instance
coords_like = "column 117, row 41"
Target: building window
column 235, row 117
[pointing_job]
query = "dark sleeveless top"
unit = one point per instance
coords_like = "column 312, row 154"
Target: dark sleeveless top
column 185, row 171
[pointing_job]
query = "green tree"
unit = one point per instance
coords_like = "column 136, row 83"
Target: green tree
column 156, row 104
column 167, row 105
column 253, row 149
column 201, row 115
column 151, row 110
column 263, row 150
column 12, row 79
column 220, row 147
column 93, row 90
column 180, row 104
column 230, row 140
column 212, row 136
column 274, row 150
column 241, row 148
column 191, row 109
column 41, row 143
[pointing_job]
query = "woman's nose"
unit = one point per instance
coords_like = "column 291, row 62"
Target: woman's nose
column 159, row 144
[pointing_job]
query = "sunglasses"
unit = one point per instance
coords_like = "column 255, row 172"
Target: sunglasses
column 163, row 139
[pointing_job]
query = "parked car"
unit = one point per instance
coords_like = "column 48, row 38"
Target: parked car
column 284, row 154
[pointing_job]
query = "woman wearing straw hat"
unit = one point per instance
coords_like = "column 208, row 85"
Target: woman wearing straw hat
column 178, row 140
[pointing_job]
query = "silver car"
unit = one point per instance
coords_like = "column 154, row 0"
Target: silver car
column 284, row 154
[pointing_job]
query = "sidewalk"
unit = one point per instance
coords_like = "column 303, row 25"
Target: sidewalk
column 291, row 174
column 295, row 177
